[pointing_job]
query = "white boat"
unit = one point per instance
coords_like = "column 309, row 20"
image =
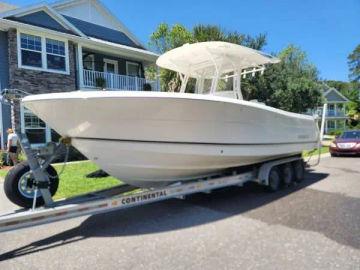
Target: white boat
column 155, row 138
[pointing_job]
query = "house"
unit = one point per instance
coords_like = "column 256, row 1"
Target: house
column 335, row 117
column 65, row 46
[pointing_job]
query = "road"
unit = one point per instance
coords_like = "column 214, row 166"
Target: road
column 314, row 225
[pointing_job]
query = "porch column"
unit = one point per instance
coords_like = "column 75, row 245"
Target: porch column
column 80, row 66
column 326, row 126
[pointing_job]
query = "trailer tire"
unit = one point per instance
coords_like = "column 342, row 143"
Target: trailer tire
column 287, row 174
column 299, row 170
column 274, row 180
column 16, row 185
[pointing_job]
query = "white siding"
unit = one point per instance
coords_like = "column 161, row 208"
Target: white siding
column 88, row 12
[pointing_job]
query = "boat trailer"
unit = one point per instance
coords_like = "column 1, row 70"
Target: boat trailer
column 270, row 174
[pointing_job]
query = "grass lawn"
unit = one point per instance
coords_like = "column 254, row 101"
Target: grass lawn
column 324, row 149
column 3, row 173
column 73, row 180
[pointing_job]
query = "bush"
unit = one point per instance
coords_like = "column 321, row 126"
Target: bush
column 337, row 132
column 100, row 82
column 147, row 87
column 4, row 159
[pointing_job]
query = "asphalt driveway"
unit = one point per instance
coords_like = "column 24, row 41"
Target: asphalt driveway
column 315, row 225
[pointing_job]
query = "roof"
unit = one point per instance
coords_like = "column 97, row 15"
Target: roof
column 74, row 25
column 42, row 19
column 101, row 32
column 107, row 12
column 333, row 95
column 6, row 7
column 204, row 58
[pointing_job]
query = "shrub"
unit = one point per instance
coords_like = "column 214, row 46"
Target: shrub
column 147, row 87
column 4, row 159
column 337, row 132
column 100, row 83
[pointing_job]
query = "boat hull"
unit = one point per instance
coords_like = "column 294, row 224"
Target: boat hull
column 146, row 137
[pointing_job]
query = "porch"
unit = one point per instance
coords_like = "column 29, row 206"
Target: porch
column 102, row 70
column 111, row 81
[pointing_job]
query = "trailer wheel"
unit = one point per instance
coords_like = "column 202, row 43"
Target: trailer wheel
column 287, row 174
column 19, row 189
column 274, row 180
column 299, row 170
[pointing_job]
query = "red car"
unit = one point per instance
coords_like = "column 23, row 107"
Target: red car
column 347, row 144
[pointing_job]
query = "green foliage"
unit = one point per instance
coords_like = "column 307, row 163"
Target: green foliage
column 336, row 132
column 354, row 64
column 202, row 33
column 291, row 85
column 3, row 158
column 73, row 181
column 100, row 82
column 314, row 152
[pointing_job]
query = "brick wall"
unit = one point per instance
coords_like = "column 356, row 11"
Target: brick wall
column 36, row 82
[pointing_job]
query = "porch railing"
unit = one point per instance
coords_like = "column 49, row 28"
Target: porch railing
column 92, row 79
column 335, row 113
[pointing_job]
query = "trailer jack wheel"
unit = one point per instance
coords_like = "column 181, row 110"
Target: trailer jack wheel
column 20, row 185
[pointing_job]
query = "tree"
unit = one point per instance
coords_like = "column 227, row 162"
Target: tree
column 354, row 64
column 290, row 85
column 204, row 33
column 164, row 39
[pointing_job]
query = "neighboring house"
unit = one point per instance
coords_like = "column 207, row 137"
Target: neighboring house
column 66, row 46
column 336, row 110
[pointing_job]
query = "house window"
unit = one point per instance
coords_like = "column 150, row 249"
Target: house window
column 331, row 124
column 31, row 50
column 43, row 53
column 132, row 69
column 55, row 54
column 88, row 61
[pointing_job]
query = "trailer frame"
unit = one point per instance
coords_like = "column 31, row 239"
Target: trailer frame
column 126, row 196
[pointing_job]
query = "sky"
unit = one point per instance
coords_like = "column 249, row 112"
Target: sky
column 327, row 30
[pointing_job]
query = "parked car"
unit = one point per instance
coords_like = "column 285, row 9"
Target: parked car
column 346, row 144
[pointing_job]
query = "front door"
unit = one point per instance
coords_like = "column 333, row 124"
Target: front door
column 111, row 66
